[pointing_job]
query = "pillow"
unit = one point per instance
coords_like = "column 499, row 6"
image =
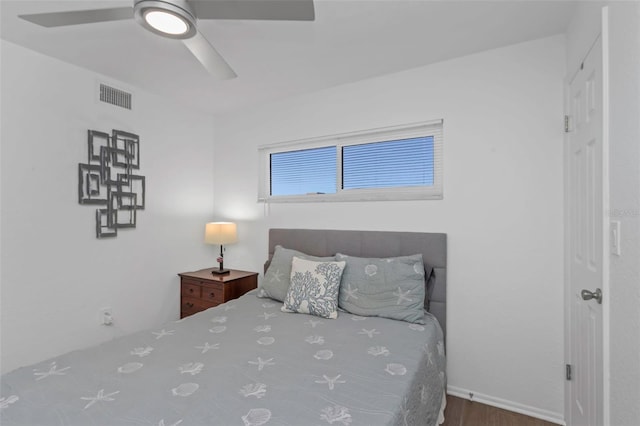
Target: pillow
column 314, row 288
column 430, row 280
column 276, row 280
column 393, row 287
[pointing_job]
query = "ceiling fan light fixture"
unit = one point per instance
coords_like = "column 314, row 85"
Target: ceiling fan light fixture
column 168, row 18
column 166, row 22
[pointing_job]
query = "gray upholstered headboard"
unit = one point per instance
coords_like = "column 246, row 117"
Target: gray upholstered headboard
column 433, row 247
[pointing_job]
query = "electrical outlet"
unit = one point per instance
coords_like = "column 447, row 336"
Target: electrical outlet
column 106, row 316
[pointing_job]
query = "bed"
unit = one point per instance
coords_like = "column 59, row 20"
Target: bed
column 247, row 362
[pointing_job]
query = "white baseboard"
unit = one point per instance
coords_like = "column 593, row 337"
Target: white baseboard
column 516, row 407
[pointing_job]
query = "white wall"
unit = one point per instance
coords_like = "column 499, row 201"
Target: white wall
column 625, row 206
column 55, row 274
column 624, row 169
column 502, row 207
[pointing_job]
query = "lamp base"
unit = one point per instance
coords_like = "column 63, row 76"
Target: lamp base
column 220, row 271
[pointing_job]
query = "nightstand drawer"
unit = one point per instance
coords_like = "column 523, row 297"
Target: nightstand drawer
column 190, row 289
column 213, row 293
column 190, row 305
column 194, row 281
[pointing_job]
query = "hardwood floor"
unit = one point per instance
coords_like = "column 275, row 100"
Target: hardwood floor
column 462, row 412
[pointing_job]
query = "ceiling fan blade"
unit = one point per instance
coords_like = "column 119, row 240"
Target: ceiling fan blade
column 76, row 17
column 279, row 10
column 209, row 57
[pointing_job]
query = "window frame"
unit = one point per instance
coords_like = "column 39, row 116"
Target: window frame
column 433, row 128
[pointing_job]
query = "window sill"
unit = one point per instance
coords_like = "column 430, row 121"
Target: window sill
column 354, row 196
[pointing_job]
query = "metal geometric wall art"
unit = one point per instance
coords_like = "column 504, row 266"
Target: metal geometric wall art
column 108, row 180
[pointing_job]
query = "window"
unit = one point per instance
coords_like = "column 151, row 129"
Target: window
column 405, row 162
column 396, row 163
column 303, row 172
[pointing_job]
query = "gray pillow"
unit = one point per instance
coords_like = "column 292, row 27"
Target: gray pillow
column 277, row 278
column 314, row 288
column 392, row 287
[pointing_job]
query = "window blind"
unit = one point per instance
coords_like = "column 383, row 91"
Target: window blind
column 398, row 163
column 307, row 171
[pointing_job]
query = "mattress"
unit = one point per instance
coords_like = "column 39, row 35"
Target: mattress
column 241, row 363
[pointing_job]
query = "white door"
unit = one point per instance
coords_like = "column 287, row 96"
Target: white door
column 586, row 227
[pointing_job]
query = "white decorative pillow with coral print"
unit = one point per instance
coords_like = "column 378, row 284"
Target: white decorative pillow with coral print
column 314, row 288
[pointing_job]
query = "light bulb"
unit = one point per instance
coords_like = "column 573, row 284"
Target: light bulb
column 166, row 22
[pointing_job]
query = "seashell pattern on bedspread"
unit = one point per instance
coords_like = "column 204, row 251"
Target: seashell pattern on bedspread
column 241, row 363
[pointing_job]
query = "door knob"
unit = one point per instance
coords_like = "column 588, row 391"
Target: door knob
column 588, row 295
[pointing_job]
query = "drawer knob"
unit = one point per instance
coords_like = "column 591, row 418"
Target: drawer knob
column 212, row 295
column 189, row 305
column 190, row 290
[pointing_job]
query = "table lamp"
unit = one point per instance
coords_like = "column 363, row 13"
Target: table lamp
column 220, row 233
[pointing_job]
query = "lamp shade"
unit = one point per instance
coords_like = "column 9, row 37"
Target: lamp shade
column 220, row 233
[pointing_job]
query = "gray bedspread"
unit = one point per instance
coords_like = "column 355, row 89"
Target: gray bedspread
column 241, row 363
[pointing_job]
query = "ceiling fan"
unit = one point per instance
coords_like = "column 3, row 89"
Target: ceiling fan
column 177, row 19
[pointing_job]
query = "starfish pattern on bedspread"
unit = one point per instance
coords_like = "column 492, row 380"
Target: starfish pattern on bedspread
column 5, row 402
column 369, row 333
column 100, row 397
column 331, row 381
column 53, row 371
column 207, row 347
column 162, row 333
column 261, row 363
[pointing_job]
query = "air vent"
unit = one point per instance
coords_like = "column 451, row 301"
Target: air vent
column 114, row 96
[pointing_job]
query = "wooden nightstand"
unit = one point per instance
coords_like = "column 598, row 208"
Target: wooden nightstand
column 200, row 290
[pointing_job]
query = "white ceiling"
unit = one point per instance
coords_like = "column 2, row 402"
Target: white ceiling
column 348, row 41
